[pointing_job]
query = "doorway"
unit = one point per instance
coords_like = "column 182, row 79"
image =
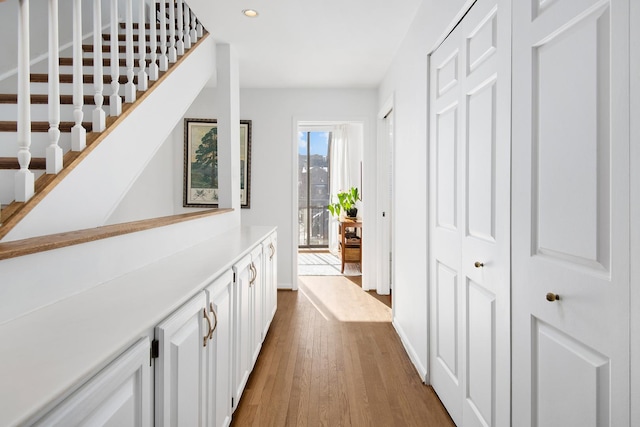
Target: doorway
column 329, row 160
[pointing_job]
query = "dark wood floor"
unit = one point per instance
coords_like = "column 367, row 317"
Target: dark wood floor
column 332, row 358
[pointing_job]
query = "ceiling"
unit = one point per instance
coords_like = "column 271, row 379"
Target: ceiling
column 310, row 44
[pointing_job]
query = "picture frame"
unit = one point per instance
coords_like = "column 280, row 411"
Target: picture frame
column 201, row 167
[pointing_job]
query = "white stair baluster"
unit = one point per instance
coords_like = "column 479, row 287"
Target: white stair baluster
column 143, row 77
column 194, row 32
column 99, row 116
column 180, row 32
column 199, row 29
column 54, row 152
column 153, row 37
column 24, row 178
column 173, row 54
column 115, row 102
column 129, row 87
column 187, row 32
column 78, row 133
column 163, row 62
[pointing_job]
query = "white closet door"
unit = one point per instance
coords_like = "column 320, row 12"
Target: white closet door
column 469, row 199
column 571, row 213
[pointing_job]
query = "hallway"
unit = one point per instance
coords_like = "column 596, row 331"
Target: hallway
column 332, row 358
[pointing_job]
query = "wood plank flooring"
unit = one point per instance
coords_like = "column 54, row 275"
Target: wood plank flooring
column 332, row 358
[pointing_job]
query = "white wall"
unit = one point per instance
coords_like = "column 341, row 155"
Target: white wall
column 274, row 114
column 407, row 81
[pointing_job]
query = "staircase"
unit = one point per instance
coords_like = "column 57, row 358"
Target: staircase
column 53, row 136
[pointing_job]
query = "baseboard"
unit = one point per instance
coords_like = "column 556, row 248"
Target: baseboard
column 285, row 286
column 413, row 356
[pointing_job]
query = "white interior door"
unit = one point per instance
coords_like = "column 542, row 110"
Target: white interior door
column 386, row 162
column 469, row 96
column 571, row 213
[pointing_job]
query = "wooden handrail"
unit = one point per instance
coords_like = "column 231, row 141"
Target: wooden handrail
column 34, row 245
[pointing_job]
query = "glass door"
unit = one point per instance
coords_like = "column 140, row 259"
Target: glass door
column 314, row 153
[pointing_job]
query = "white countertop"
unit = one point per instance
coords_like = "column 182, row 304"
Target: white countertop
column 48, row 352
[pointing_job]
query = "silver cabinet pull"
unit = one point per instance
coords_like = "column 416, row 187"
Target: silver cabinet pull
column 208, row 335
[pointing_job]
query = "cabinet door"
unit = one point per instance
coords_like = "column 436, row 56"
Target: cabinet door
column 241, row 327
column 219, row 365
column 270, row 263
column 257, row 304
column 118, row 396
column 180, row 367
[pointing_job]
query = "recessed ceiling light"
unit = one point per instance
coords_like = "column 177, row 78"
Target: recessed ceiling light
column 250, row 13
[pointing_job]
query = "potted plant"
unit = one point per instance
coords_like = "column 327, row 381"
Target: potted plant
column 347, row 202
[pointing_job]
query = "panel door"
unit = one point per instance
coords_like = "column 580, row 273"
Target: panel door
column 242, row 319
column 470, row 230
column 220, row 345
column 571, row 213
column 118, row 396
column 257, row 304
column 181, row 366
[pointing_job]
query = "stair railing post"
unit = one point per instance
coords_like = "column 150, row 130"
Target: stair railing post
column 54, row 152
column 199, row 29
column 194, row 32
column 129, row 87
column 24, row 178
column 143, row 77
column 179, row 30
column 173, row 53
column 153, row 38
column 99, row 116
column 115, row 102
column 187, row 22
column 78, row 133
column 163, row 62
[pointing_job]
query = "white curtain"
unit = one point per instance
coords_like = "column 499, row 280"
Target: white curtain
column 340, row 175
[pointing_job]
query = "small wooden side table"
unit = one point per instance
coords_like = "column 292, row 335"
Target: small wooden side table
column 350, row 247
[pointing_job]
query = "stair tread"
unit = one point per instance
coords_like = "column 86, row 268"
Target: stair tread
column 86, row 78
column 8, row 126
column 107, row 48
column 10, row 98
column 11, row 163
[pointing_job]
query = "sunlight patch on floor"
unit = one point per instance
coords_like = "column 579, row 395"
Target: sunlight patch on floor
column 342, row 300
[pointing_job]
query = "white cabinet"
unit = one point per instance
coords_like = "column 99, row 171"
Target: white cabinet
column 118, row 396
column 270, row 275
column 242, row 322
column 202, row 354
column 181, row 365
column 220, row 297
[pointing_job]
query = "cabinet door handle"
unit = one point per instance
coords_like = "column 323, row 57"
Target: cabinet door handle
column 206, row 337
column 252, row 267
column 273, row 251
column 215, row 320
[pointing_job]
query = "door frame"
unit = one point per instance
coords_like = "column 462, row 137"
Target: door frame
column 634, row 187
column 383, row 288
column 368, row 189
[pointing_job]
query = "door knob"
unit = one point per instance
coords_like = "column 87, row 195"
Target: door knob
column 478, row 264
column 551, row 297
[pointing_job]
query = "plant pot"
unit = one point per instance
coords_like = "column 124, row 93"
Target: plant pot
column 352, row 213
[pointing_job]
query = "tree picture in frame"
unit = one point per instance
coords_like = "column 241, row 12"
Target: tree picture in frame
column 201, row 163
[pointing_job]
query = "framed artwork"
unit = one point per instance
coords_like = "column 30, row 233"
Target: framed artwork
column 201, row 163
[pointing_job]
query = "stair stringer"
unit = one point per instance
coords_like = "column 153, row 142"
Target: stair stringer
column 93, row 189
